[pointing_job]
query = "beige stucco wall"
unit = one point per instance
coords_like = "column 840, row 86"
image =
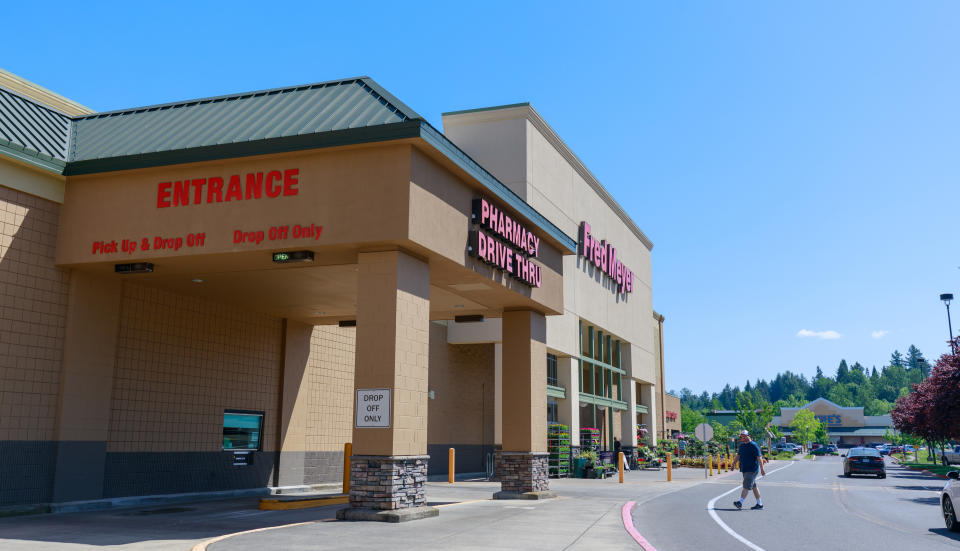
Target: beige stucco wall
column 330, row 380
column 33, row 310
column 461, row 379
column 514, row 149
column 181, row 362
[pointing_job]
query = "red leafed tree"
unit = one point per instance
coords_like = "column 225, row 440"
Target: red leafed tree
column 932, row 410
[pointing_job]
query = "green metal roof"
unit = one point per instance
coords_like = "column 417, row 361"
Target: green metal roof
column 234, row 119
column 33, row 133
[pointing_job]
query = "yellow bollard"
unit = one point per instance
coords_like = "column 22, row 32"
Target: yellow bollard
column 710, row 460
column 669, row 466
column 347, row 452
column 453, row 456
column 620, row 466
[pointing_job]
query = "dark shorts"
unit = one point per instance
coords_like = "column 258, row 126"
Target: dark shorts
column 750, row 481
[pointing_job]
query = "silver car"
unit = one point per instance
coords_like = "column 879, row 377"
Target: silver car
column 950, row 499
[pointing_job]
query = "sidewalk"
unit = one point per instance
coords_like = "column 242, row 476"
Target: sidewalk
column 587, row 515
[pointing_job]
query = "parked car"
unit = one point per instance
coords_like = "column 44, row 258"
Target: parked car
column 896, row 448
column 822, row 450
column 948, row 457
column 832, row 448
column 864, row 461
column 949, row 497
column 883, row 449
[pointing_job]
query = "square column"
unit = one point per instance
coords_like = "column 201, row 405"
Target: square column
column 628, row 419
column 523, row 460
column 294, row 407
column 389, row 466
column 649, row 398
column 568, row 409
column 86, row 386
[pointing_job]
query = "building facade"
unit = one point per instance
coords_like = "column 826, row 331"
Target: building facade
column 602, row 359
column 846, row 426
column 218, row 294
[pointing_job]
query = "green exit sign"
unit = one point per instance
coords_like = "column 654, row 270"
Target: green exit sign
column 293, row 256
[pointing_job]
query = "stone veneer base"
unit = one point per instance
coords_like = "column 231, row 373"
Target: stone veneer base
column 388, row 483
column 380, row 515
column 523, row 472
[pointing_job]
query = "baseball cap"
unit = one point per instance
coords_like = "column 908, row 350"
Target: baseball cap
column 744, row 433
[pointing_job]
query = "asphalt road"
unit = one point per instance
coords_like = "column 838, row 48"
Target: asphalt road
column 807, row 505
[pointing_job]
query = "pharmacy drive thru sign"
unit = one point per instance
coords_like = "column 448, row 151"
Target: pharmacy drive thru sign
column 373, row 408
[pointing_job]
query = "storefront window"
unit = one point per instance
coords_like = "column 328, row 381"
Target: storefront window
column 552, row 370
column 551, row 410
column 241, row 430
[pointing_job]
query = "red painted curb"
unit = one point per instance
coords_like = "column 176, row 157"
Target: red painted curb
column 631, row 529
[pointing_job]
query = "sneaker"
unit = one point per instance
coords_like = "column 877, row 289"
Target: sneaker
column 757, row 506
column 738, row 504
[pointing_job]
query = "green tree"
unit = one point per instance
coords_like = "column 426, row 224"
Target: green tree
column 753, row 418
column 896, row 359
column 842, row 371
column 805, row 426
column 821, row 435
column 690, row 418
column 840, row 395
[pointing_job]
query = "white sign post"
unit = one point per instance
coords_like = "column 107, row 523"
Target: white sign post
column 373, row 408
column 704, row 433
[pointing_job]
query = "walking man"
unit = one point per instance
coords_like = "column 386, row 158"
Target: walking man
column 751, row 464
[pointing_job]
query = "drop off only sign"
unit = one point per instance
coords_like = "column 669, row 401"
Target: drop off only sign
column 373, row 408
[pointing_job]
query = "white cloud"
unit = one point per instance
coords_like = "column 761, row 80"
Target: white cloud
column 824, row 335
column 879, row 334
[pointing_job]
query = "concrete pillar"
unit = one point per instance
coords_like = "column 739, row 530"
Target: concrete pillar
column 649, row 398
column 389, row 464
column 498, row 394
column 524, row 456
column 628, row 419
column 86, row 386
column 568, row 409
column 294, row 407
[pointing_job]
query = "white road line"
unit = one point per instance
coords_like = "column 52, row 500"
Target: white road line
column 727, row 529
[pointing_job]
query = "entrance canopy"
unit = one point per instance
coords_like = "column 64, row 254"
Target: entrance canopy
column 197, row 197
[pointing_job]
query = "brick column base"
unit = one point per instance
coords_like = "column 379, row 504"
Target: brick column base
column 523, row 475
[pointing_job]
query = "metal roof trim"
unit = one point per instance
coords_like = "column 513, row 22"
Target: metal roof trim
column 481, row 109
column 284, row 144
column 34, row 158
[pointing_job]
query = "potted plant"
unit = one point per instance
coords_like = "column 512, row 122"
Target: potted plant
column 590, row 468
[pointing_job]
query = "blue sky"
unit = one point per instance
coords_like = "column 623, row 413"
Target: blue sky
column 795, row 165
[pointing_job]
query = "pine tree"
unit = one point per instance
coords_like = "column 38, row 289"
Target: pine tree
column 843, row 372
column 896, row 359
column 819, row 374
column 915, row 360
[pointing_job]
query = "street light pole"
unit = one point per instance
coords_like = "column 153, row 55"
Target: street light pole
column 946, row 298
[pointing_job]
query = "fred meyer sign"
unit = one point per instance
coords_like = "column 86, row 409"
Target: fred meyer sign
column 603, row 255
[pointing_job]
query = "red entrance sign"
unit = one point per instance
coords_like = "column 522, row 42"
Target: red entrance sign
column 215, row 189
